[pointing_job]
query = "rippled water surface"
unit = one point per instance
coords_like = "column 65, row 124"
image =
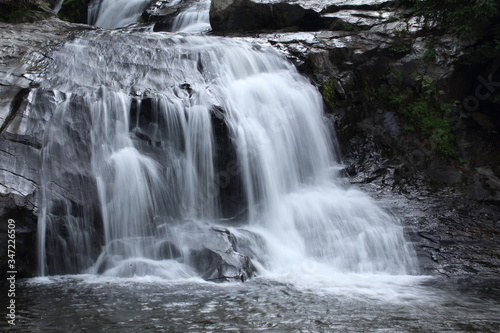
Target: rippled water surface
column 347, row 303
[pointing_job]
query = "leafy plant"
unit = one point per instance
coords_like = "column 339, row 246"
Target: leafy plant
column 423, row 112
column 141, row 19
column 328, row 92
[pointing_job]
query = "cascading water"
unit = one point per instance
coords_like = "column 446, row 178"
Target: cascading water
column 111, row 14
column 180, row 134
column 163, row 154
column 195, row 18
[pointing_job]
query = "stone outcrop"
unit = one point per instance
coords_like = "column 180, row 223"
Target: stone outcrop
column 248, row 15
column 162, row 13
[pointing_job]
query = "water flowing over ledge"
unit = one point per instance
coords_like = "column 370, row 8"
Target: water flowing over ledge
column 175, row 136
column 111, row 14
column 165, row 164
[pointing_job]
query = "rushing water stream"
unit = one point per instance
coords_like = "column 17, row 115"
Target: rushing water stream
column 176, row 134
column 187, row 132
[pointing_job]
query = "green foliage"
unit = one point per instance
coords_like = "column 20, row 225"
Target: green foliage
column 401, row 44
column 16, row 15
column 348, row 27
column 423, row 112
column 328, row 91
column 397, row 75
column 466, row 18
column 430, row 52
column 400, row 49
column 477, row 20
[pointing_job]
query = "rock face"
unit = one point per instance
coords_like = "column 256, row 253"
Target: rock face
column 25, row 48
column 453, row 235
column 248, row 15
column 359, row 70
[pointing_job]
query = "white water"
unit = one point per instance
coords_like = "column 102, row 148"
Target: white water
column 150, row 104
column 193, row 19
column 111, row 14
column 58, row 6
column 165, row 190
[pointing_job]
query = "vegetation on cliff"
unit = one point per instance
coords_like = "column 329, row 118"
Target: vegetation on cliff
column 430, row 111
column 19, row 11
column 462, row 17
column 478, row 20
column 421, row 107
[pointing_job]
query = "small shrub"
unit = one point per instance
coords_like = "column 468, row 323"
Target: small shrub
column 423, row 112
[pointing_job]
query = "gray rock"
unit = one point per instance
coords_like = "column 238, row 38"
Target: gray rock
column 217, row 259
column 24, row 49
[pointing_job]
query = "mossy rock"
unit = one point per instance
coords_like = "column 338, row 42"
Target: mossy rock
column 327, row 90
column 24, row 11
column 74, row 11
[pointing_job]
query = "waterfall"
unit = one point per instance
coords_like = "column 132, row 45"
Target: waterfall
column 111, row 14
column 195, row 18
column 166, row 136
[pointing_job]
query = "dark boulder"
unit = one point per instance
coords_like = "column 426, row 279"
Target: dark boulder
column 217, row 259
column 246, row 15
column 74, row 11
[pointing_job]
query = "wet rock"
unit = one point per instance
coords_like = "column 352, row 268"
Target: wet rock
column 356, row 4
column 163, row 11
column 167, row 250
column 25, row 221
column 247, row 15
column 24, row 49
column 217, row 259
column 447, row 175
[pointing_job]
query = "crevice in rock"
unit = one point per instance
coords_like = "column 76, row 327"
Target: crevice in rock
column 15, row 106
